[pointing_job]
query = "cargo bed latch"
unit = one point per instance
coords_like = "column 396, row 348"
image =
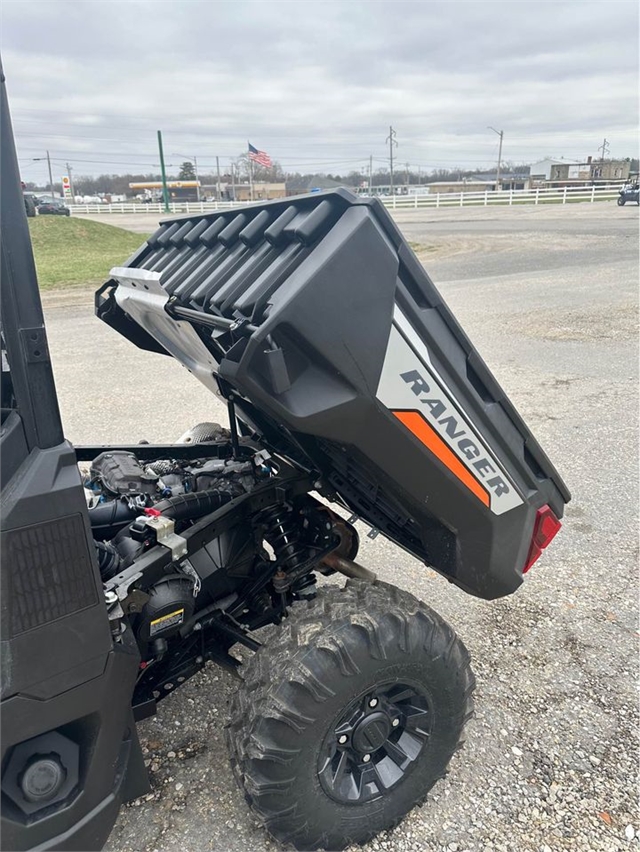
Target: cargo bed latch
column 278, row 371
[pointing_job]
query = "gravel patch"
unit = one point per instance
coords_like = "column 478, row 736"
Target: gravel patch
column 619, row 322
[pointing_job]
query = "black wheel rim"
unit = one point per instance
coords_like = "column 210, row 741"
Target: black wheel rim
column 375, row 743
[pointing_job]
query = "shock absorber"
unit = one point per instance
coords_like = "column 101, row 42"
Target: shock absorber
column 282, row 532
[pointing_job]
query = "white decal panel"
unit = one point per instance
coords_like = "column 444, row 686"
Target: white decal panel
column 412, row 389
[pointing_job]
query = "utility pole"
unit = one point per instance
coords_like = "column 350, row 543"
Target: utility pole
column 370, row 172
column 50, row 176
column 218, row 171
column 48, row 159
column 392, row 141
column 500, row 134
column 605, row 150
column 195, row 169
column 406, row 174
column 165, row 191
column 73, row 194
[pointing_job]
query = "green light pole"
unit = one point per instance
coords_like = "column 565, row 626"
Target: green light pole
column 165, row 191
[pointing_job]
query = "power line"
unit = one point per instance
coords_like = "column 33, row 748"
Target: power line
column 287, row 157
column 205, row 165
column 295, row 160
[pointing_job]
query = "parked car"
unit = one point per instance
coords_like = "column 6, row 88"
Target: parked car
column 53, row 207
column 629, row 193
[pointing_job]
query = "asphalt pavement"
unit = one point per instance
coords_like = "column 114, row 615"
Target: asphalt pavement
column 549, row 295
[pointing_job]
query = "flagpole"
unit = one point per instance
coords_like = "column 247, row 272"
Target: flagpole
column 250, row 175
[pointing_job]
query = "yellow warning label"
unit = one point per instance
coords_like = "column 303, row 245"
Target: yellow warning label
column 165, row 621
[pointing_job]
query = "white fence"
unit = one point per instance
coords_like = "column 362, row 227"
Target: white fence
column 564, row 195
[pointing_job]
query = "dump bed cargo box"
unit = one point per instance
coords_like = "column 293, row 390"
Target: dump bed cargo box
column 341, row 354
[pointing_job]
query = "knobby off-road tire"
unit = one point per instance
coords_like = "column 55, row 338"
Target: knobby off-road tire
column 333, row 655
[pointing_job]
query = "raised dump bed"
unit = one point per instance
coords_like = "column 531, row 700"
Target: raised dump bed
column 340, row 353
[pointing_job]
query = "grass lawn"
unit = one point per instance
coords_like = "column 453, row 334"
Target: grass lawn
column 71, row 251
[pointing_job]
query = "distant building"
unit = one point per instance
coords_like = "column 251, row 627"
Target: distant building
column 382, row 189
column 179, row 190
column 607, row 170
column 261, row 191
column 508, row 180
column 446, row 186
column 558, row 173
column 546, row 169
column 481, row 183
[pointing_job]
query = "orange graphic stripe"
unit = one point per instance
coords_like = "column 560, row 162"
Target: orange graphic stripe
column 416, row 424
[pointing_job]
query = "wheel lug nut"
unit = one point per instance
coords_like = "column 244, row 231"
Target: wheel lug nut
column 342, row 740
column 366, row 758
column 373, row 702
column 395, row 723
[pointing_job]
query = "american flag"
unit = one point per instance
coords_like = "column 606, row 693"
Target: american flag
column 260, row 157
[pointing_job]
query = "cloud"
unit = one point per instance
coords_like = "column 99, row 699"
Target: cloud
column 317, row 85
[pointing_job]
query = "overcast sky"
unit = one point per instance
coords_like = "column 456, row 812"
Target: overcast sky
column 317, row 85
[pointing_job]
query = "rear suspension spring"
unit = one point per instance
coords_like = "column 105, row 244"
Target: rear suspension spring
column 283, row 534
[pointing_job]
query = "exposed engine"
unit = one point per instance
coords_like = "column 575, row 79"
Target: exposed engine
column 241, row 576
column 127, row 497
column 120, row 487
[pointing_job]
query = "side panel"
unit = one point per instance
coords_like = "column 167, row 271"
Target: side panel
column 51, row 595
column 66, row 688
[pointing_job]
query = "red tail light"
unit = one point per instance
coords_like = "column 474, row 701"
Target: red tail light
column 544, row 529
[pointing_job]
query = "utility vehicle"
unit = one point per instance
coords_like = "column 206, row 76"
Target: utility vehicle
column 352, row 392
